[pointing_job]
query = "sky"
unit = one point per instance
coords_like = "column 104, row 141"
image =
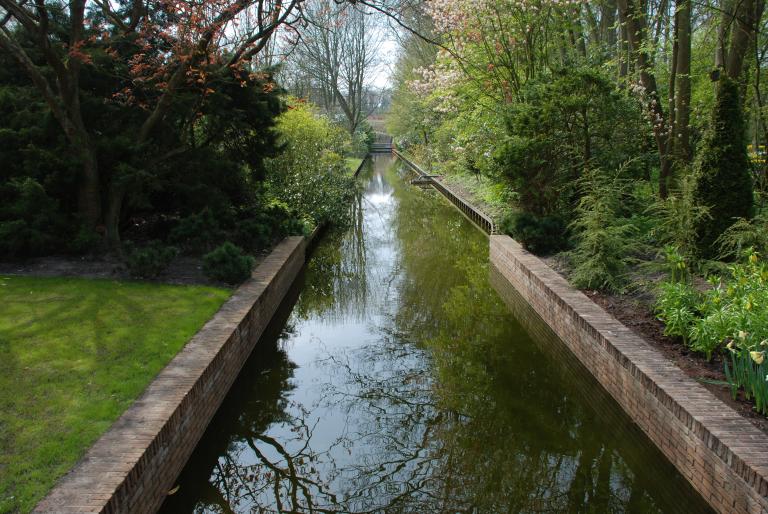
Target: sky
column 388, row 54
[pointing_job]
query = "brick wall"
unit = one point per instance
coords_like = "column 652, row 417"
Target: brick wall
column 720, row 453
column 132, row 466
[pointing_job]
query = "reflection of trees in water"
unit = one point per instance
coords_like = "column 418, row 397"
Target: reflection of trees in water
column 452, row 408
column 337, row 281
column 430, row 237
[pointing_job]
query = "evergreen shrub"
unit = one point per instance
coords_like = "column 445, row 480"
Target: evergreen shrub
column 228, row 263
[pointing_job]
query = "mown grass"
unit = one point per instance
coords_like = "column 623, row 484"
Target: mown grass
column 491, row 196
column 353, row 163
column 74, row 354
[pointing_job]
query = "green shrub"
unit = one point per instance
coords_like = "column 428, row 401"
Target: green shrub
column 30, row 224
column 722, row 170
column 310, row 175
column 745, row 234
column 604, row 240
column 563, row 123
column 19, row 239
column 734, row 309
column 676, row 218
column 540, row 235
column 677, row 305
column 84, row 241
column 259, row 229
column 255, row 233
column 228, row 263
column 150, row 260
column 198, row 231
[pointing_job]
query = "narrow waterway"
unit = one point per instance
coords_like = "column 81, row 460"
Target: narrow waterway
column 396, row 380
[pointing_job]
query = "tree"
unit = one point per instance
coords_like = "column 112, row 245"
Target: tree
column 723, row 182
column 336, row 56
column 169, row 57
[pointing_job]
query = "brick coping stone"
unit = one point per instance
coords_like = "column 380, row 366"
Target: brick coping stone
column 134, row 464
column 721, row 454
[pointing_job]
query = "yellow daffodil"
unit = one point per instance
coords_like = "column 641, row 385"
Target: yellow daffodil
column 758, row 357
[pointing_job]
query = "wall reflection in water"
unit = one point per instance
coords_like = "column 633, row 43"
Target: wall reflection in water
column 398, row 381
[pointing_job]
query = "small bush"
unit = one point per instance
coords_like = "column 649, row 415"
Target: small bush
column 149, row 261
column 310, row 175
column 256, row 233
column 677, row 305
column 745, row 234
column 29, row 221
column 538, row 234
column 18, row 239
column 677, row 217
column 84, row 241
column 198, row 231
column 228, row 263
column 259, row 229
column 605, row 241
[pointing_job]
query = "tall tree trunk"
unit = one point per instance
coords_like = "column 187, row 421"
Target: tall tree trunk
column 744, row 29
column 112, row 217
column 607, row 26
column 623, row 52
column 682, row 104
column 89, row 189
column 633, row 17
column 723, row 32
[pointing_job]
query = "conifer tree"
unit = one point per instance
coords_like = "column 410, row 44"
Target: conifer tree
column 723, row 181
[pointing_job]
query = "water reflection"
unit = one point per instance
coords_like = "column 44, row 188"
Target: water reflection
column 403, row 384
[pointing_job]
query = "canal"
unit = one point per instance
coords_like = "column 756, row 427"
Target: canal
column 395, row 379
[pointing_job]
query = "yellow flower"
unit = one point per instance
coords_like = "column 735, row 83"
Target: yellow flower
column 758, row 357
column 730, row 347
column 753, row 258
column 742, row 335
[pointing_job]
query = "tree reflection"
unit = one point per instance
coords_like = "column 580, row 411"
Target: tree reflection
column 447, row 404
column 337, row 284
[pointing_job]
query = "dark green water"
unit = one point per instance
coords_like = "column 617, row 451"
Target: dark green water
column 396, row 380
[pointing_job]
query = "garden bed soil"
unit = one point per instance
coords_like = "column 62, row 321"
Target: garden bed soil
column 636, row 312
column 183, row 270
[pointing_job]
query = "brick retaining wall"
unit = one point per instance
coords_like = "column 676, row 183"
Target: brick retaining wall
column 721, row 454
column 132, row 466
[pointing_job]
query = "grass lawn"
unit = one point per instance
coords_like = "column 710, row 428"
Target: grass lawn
column 353, row 163
column 74, row 354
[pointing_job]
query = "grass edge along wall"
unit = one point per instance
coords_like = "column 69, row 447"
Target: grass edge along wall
column 133, row 466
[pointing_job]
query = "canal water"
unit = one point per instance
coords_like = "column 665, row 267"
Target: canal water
column 395, row 379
